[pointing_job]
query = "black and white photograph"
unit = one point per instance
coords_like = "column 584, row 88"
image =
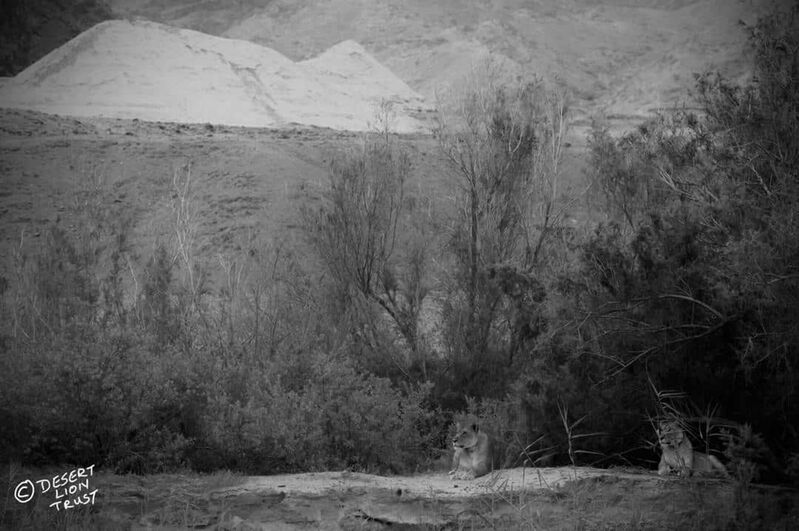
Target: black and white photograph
column 399, row 264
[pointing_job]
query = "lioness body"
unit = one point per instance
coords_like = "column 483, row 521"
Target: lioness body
column 472, row 457
column 679, row 454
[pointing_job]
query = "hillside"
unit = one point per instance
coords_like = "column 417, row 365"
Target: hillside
column 248, row 181
column 154, row 72
column 620, row 58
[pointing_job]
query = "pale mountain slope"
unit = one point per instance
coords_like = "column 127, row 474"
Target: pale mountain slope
column 618, row 57
column 155, row 72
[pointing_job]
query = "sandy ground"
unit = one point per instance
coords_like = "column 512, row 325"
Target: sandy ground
column 544, row 498
column 530, row 498
column 438, row 485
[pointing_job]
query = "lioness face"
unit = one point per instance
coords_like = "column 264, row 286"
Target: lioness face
column 670, row 435
column 465, row 437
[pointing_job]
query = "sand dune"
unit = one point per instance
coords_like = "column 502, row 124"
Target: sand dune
column 154, row 72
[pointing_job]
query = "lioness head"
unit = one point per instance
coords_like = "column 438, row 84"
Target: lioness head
column 465, row 437
column 670, row 435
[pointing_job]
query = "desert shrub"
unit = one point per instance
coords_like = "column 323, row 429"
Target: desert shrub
column 367, row 238
column 338, row 419
column 136, row 398
column 750, row 458
column 504, row 147
column 84, row 383
column 156, row 310
column 376, row 425
column 691, row 281
column 131, row 362
column 688, row 283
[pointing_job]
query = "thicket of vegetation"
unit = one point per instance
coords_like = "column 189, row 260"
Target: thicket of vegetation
column 356, row 345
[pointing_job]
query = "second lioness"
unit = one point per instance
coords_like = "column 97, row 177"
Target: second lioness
column 679, row 454
column 473, row 456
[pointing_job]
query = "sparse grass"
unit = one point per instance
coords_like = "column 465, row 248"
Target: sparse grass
column 170, row 500
column 608, row 502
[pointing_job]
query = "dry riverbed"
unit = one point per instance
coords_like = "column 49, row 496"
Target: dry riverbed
column 529, row 498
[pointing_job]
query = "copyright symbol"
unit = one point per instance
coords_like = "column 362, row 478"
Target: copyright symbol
column 24, row 491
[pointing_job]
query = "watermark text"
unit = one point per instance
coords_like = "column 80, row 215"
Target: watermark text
column 70, row 489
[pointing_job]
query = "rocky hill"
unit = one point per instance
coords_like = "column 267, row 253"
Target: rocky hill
column 150, row 71
column 620, row 58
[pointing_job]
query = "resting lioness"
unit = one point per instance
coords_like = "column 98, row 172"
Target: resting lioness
column 472, row 457
column 679, row 454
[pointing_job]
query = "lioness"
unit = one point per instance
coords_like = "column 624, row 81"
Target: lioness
column 679, row 454
column 472, row 457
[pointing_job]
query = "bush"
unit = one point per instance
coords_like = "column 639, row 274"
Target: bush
column 338, row 419
column 140, row 395
column 504, row 147
column 691, row 283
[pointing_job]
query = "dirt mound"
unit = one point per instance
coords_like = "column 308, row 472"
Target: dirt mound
column 154, row 72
